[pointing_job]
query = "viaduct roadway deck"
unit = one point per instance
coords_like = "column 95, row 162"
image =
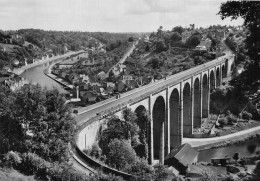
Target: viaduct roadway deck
column 86, row 113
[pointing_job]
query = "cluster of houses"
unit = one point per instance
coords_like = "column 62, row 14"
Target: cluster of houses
column 103, row 85
column 90, row 92
column 11, row 80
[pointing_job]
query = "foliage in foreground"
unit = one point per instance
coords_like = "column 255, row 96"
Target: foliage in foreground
column 32, row 164
column 36, row 120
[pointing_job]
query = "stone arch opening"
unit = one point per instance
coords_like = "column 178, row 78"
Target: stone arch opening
column 227, row 67
column 143, row 122
column 224, row 72
column 218, row 78
column 175, row 124
column 197, row 104
column 205, row 96
column 212, row 81
column 187, row 110
column 158, row 127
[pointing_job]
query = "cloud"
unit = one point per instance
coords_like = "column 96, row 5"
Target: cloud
column 108, row 15
column 137, row 7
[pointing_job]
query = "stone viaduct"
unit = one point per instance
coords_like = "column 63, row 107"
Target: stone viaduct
column 179, row 107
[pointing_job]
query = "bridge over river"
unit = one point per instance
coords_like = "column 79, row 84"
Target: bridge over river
column 175, row 104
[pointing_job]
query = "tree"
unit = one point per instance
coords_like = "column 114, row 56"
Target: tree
column 175, row 36
column 131, row 39
column 219, row 100
column 141, row 170
column 162, row 173
column 147, row 48
column 104, row 177
column 121, row 129
column 160, row 46
column 192, row 26
column 36, row 120
column 250, row 12
column 120, row 154
column 193, row 41
column 178, row 29
column 160, row 31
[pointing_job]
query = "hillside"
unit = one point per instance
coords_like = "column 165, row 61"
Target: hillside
column 22, row 45
column 164, row 53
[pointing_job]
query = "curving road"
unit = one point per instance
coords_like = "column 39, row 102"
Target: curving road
column 86, row 113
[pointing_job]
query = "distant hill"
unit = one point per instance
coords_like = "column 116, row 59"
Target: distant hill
column 27, row 44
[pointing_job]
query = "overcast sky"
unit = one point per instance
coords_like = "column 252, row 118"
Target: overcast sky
column 109, row 15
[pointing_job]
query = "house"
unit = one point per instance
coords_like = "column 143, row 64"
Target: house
column 62, row 74
column 180, row 158
column 88, row 96
column 84, row 86
column 121, row 67
column 130, row 84
column 73, row 78
column 55, row 71
column 102, row 75
column 7, row 68
column 110, row 84
column 201, row 48
column 127, row 77
column 15, row 62
column 206, row 42
column 95, row 86
column 84, row 78
column 116, row 71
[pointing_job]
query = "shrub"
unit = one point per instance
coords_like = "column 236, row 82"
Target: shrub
column 101, row 177
column 141, row 170
column 231, row 119
column 223, row 121
column 120, row 153
column 162, row 173
column 11, row 159
column 246, row 115
column 32, row 163
column 95, row 151
column 87, row 151
column 251, row 108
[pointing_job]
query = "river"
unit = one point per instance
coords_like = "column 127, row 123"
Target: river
column 36, row 75
column 247, row 148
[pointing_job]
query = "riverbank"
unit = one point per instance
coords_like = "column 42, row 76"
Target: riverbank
column 59, row 80
column 207, row 143
column 19, row 71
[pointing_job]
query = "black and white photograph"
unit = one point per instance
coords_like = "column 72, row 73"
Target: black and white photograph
column 129, row 90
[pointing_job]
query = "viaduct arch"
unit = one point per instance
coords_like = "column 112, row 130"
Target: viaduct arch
column 175, row 121
column 197, row 104
column 205, row 96
column 187, row 110
column 158, row 116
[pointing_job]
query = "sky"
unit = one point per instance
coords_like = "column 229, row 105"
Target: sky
column 109, row 15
